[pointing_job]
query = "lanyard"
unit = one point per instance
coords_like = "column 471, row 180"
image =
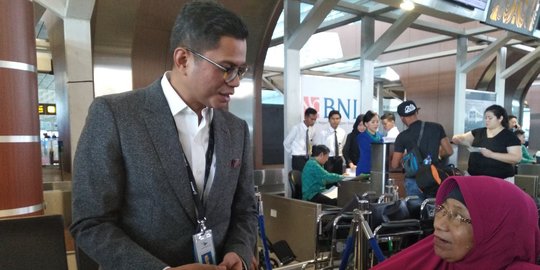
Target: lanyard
column 199, row 209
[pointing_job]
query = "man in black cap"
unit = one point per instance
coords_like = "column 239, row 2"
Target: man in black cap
column 433, row 142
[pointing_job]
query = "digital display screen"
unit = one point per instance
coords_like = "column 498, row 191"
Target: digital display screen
column 479, row 4
column 514, row 15
column 46, row 109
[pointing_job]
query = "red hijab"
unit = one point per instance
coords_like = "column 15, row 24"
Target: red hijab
column 505, row 229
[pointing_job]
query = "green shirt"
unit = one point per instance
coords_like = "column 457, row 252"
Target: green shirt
column 315, row 178
column 525, row 156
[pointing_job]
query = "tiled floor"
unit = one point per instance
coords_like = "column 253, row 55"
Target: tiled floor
column 72, row 264
column 53, row 174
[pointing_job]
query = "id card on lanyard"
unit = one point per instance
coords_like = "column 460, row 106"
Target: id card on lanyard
column 203, row 241
column 203, row 247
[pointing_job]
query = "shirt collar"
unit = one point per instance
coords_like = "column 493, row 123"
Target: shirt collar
column 176, row 103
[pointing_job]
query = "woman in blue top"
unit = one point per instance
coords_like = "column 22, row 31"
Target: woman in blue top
column 364, row 140
column 315, row 177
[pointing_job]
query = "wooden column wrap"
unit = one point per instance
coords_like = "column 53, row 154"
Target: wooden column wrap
column 20, row 180
column 17, row 41
column 21, row 191
column 18, row 102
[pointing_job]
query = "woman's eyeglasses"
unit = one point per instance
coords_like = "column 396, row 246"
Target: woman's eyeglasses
column 229, row 73
column 453, row 217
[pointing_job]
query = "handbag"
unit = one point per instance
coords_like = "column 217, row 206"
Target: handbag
column 414, row 157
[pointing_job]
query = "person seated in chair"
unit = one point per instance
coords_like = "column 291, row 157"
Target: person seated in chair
column 315, row 177
column 481, row 222
column 526, row 158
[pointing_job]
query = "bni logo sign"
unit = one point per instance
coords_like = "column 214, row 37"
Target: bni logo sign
column 348, row 107
column 313, row 102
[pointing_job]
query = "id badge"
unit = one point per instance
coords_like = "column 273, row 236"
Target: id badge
column 203, row 246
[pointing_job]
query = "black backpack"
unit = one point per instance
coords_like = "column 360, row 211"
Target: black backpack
column 429, row 178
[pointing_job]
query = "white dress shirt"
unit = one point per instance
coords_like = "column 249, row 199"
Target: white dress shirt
column 193, row 135
column 391, row 135
column 326, row 136
column 295, row 142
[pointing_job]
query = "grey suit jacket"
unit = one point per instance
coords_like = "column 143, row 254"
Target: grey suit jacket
column 132, row 205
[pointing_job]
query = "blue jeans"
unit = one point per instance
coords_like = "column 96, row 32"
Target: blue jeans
column 411, row 188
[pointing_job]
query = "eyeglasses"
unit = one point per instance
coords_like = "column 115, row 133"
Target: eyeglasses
column 455, row 218
column 229, row 73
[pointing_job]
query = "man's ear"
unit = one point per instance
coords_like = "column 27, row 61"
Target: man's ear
column 180, row 58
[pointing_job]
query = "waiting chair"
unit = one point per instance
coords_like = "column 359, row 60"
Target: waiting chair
column 393, row 236
column 295, row 183
column 398, row 229
column 84, row 262
column 414, row 203
column 333, row 225
column 370, row 196
column 33, row 243
column 427, row 215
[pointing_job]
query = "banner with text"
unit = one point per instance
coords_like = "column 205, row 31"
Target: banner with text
column 325, row 94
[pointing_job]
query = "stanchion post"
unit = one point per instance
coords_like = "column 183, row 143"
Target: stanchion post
column 268, row 265
column 361, row 254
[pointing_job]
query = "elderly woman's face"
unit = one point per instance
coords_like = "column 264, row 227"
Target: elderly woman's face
column 453, row 234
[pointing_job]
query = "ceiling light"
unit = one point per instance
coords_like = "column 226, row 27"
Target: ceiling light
column 407, row 5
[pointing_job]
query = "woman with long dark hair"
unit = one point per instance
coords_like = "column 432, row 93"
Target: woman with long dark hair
column 350, row 150
column 494, row 148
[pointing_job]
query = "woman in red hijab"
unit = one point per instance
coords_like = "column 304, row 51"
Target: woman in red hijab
column 480, row 223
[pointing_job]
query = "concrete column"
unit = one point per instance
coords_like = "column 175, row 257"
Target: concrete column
column 72, row 52
column 70, row 38
column 367, row 66
column 21, row 191
column 293, row 110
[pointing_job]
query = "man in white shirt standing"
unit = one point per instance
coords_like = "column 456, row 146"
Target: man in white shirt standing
column 299, row 140
column 389, row 125
column 334, row 138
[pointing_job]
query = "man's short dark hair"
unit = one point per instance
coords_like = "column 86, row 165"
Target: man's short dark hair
column 332, row 112
column 201, row 24
column 318, row 149
column 310, row 111
column 511, row 116
column 390, row 116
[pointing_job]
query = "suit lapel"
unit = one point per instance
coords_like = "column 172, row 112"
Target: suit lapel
column 222, row 137
column 162, row 129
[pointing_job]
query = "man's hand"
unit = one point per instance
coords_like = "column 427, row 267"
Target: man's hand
column 232, row 261
column 254, row 263
column 198, row 266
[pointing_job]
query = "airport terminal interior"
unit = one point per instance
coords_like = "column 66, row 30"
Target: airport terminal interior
column 453, row 58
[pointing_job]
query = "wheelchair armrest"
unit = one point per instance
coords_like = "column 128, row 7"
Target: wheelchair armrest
column 331, row 209
column 401, row 223
column 398, row 227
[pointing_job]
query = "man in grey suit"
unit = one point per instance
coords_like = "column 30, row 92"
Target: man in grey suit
column 141, row 152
